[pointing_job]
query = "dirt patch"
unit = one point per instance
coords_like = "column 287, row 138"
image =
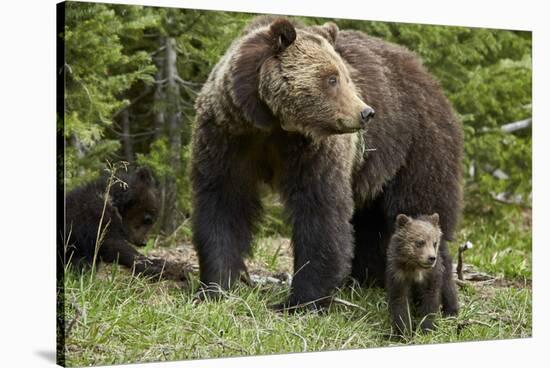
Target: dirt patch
column 485, row 284
column 273, row 263
column 184, row 255
column 272, row 255
column 472, row 276
column 270, row 252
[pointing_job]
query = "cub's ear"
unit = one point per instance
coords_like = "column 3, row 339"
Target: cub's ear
column 144, row 175
column 402, row 220
column 328, row 30
column 254, row 50
column 434, row 219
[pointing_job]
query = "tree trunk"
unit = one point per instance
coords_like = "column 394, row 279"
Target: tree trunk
column 159, row 94
column 126, row 136
column 159, row 122
column 173, row 115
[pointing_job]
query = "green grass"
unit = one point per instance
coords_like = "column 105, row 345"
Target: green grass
column 502, row 244
column 123, row 319
column 132, row 320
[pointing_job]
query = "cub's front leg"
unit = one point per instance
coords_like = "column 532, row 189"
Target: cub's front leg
column 429, row 295
column 399, row 303
column 118, row 250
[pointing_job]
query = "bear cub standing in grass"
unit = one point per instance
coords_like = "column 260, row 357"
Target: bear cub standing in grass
column 128, row 217
column 414, row 273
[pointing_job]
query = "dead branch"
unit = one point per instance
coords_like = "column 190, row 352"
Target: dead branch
column 464, row 247
column 508, row 198
column 347, row 304
column 511, row 127
column 77, row 314
column 516, row 125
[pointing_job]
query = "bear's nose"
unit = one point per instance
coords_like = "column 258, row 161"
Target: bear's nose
column 147, row 220
column 431, row 259
column 367, row 114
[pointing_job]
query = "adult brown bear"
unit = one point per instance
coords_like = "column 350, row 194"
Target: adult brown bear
column 287, row 105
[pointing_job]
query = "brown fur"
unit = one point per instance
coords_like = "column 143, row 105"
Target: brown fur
column 414, row 271
column 287, row 105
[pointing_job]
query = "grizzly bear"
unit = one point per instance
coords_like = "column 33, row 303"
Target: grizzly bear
column 128, row 216
column 349, row 129
column 414, row 272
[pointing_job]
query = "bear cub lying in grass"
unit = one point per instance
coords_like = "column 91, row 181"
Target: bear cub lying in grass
column 127, row 219
column 414, row 273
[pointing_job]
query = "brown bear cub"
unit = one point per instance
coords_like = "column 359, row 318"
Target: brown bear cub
column 128, row 217
column 414, row 274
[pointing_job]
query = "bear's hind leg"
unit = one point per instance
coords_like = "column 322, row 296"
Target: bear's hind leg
column 371, row 237
column 449, row 297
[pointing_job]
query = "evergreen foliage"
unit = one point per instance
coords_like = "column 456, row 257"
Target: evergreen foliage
column 116, row 62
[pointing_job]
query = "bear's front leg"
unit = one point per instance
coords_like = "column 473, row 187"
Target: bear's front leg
column 318, row 196
column 118, row 250
column 225, row 209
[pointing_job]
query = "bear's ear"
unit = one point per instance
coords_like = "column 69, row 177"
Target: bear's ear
column 283, row 32
column 251, row 55
column 145, row 175
column 402, row 220
column 434, row 219
column 329, row 31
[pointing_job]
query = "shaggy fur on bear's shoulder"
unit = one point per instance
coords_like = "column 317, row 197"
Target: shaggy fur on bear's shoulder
column 349, row 129
column 415, row 271
column 128, row 216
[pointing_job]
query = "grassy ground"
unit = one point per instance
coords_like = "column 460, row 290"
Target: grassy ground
column 120, row 319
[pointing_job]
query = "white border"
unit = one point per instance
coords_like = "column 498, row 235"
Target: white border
column 27, row 155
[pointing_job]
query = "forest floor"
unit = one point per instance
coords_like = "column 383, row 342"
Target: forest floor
column 115, row 318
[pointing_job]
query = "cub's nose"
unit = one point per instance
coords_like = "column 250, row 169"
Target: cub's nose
column 367, row 114
column 431, row 259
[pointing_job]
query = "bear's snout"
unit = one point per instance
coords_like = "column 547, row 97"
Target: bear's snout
column 366, row 115
column 429, row 262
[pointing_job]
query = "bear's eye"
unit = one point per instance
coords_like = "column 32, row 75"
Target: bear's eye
column 333, row 80
column 147, row 220
column 435, row 244
column 420, row 243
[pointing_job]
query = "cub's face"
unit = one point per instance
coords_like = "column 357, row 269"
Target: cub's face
column 139, row 211
column 141, row 216
column 418, row 240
